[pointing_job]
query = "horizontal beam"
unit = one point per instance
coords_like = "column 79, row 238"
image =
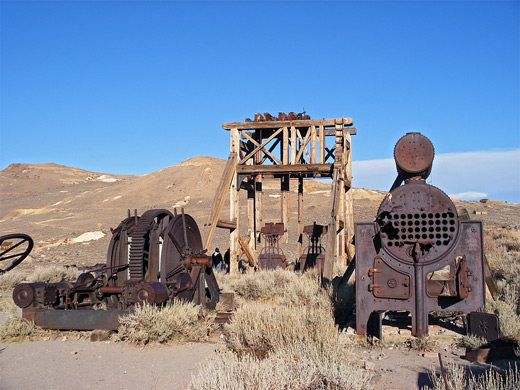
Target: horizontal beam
column 222, row 223
column 281, row 169
column 279, row 124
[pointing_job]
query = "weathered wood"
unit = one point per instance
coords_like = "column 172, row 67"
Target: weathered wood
column 245, row 249
column 277, row 124
column 234, row 213
column 285, row 146
column 349, row 201
column 332, row 229
column 261, row 147
column 258, row 206
column 322, row 144
column 225, row 224
column 300, row 218
column 284, row 184
column 218, row 200
column 294, row 143
column 251, row 216
column 303, row 145
column 280, row 169
column 313, row 144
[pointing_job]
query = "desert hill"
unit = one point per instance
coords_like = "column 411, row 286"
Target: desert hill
column 57, row 204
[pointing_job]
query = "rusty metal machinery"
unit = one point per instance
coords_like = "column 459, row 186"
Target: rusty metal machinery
column 153, row 258
column 417, row 256
column 271, row 256
column 314, row 255
column 14, row 248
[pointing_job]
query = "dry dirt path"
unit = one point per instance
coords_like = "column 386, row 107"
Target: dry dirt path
column 81, row 364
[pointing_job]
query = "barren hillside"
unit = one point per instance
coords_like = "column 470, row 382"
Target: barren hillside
column 56, row 204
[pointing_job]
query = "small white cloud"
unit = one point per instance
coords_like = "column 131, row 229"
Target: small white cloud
column 468, row 195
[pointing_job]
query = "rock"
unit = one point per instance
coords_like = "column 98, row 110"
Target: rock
column 405, row 332
column 369, row 365
column 431, row 355
column 100, row 335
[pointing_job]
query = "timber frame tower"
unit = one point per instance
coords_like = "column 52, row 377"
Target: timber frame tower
column 286, row 150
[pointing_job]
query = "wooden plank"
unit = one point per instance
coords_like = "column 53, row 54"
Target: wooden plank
column 280, row 169
column 277, row 124
column 218, row 200
column 303, row 144
column 285, row 146
column 294, row 142
column 284, row 184
column 313, row 145
column 234, row 213
column 251, row 214
column 322, row 144
column 245, row 250
column 258, row 206
column 261, row 147
column 349, row 201
column 330, row 254
column 299, row 248
column 225, row 224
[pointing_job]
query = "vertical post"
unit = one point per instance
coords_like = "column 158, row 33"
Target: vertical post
column 294, row 142
column 300, row 218
column 284, row 205
column 313, row 144
column 322, row 144
column 251, row 218
column 258, row 206
column 234, row 208
column 349, row 201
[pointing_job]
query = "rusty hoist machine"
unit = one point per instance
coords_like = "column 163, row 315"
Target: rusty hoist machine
column 153, row 258
column 271, row 256
column 417, row 256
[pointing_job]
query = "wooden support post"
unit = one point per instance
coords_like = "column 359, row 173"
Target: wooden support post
column 300, row 218
column 234, row 212
column 349, row 201
column 330, row 254
column 284, row 181
column 322, row 144
column 294, row 144
column 258, row 207
column 313, row 144
column 251, row 220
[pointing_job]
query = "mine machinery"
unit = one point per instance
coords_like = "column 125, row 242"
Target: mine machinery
column 271, row 256
column 314, row 255
column 14, row 248
column 417, row 256
column 154, row 258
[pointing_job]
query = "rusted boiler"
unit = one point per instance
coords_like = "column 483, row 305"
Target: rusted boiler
column 417, row 256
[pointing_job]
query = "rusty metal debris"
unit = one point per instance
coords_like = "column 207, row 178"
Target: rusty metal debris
column 153, row 258
column 484, row 325
column 314, row 255
column 14, row 247
column 271, row 256
column 417, row 256
column 282, row 116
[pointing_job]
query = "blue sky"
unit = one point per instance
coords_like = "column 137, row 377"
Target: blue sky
column 132, row 87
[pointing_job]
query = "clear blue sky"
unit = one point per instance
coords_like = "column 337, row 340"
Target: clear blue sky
column 132, row 87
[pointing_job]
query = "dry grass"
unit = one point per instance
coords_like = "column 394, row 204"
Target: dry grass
column 15, row 328
column 502, row 249
column 300, row 366
column 258, row 328
column 53, row 274
column 461, row 378
column 282, row 336
column 422, row 344
column 11, row 279
column 178, row 321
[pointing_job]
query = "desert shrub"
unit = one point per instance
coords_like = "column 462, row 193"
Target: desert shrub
column 11, row 279
column 471, row 341
column 258, row 328
column 15, row 328
column 302, row 366
column 276, row 287
column 502, row 249
column 461, row 378
column 54, row 274
column 177, row 321
column 422, row 344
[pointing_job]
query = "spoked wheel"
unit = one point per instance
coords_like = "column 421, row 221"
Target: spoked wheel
column 182, row 241
column 14, row 248
column 117, row 256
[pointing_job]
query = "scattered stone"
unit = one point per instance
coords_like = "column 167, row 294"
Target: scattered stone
column 405, row 332
column 100, row 335
column 431, row 355
column 74, row 352
column 369, row 365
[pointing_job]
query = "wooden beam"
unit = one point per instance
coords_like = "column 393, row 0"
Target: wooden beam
column 285, row 146
column 234, row 212
column 322, row 144
column 225, row 224
column 218, row 200
column 313, row 145
column 300, row 219
column 280, row 169
column 276, row 124
column 303, row 144
column 260, row 147
column 293, row 145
